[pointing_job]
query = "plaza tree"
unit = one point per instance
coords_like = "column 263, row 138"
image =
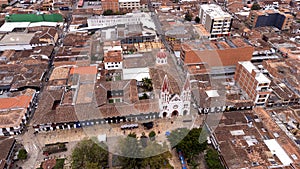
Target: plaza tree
column 153, row 160
column 152, row 135
column 147, row 84
column 197, row 19
column 130, row 150
column 212, row 159
column 188, row 17
column 89, row 155
column 190, row 145
column 135, row 155
column 255, row 6
column 22, row 155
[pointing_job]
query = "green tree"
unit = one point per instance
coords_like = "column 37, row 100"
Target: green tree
column 255, row 6
column 59, row 164
column 197, row 19
column 156, row 156
column 177, row 135
column 147, row 84
column 22, row 154
column 130, row 151
column 152, row 135
column 212, row 159
column 145, row 96
column 108, row 12
column 3, row 6
column 188, row 17
column 89, row 155
column 133, row 135
column 191, row 145
column 135, row 156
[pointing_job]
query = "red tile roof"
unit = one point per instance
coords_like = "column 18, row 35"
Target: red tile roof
column 87, row 70
column 15, row 102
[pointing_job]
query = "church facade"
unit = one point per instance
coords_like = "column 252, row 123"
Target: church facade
column 174, row 104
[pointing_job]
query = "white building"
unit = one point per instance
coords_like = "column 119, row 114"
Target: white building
column 161, row 58
column 113, row 57
column 128, row 19
column 129, row 4
column 16, row 41
column 215, row 20
column 171, row 104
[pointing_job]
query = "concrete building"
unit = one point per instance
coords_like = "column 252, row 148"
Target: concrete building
column 161, row 58
column 128, row 19
column 16, row 41
column 274, row 18
column 215, row 20
column 253, row 82
column 110, row 5
column 129, row 4
column 225, row 54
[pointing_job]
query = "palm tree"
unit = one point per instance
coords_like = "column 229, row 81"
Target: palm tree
column 147, row 84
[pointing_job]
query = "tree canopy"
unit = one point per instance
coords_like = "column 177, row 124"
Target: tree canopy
column 22, row 154
column 147, row 84
column 89, row 155
column 197, row 19
column 152, row 135
column 188, row 17
column 111, row 12
column 139, row 153
column 255, row 6
column 212, row 159
column 187, row 141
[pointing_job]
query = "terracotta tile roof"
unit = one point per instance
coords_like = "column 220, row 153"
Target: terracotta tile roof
column 161, row 55
column 113, row 56
column 15, row 102
column 216, row 53
column 49, row 163
column 114, row 110
column 11, row 118
column 76, row 39
column 46, row 114
column 158, row 76
column 60, row 73
column 6, row 144
column 85, row 70
column 49, row 33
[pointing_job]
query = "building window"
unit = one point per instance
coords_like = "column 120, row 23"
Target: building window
column 261, row 100
column 263, row 96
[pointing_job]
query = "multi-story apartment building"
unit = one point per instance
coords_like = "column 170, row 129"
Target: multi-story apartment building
column 110, row 5
column 129, row 4
column 215, row 20
column 253, row 82
column 274, row 18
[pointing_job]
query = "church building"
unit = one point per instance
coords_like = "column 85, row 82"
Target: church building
column 174, row 104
